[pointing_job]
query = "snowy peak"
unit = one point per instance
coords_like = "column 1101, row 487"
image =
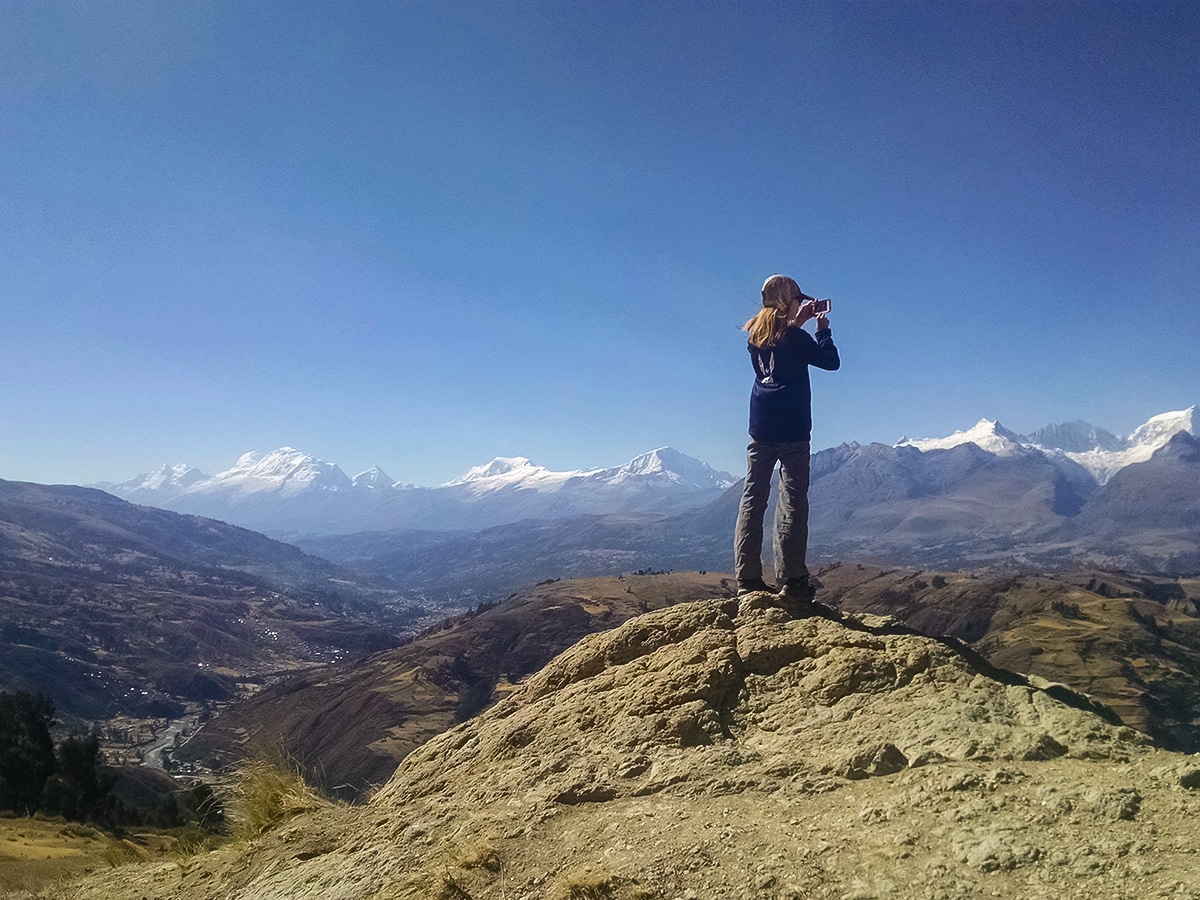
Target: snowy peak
column 511, row 468
column 180, row 476
column 374, row 479
column 665, row 467
column 1075, row 437
column 285, row 470
column 1139, row 446
column 987, row 434
column 1162, row 428
column 1081, row 437
column 668, row 464
column 1101, row 452
column 167, row 479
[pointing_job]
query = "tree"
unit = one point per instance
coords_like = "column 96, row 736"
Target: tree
column 81, row 787
column 26, row 749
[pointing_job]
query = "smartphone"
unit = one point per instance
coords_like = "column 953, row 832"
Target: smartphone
column 821, row 307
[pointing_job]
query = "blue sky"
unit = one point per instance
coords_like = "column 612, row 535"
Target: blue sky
column 423, row 234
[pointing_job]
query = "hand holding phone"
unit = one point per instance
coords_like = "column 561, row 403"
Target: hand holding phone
column 821, row 307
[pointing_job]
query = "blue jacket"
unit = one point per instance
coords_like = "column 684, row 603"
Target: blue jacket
column 781, row 400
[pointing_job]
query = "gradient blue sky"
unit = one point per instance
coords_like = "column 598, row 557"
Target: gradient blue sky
column 423, row 234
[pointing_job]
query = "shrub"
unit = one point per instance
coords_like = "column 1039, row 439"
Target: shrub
column 1067, row 610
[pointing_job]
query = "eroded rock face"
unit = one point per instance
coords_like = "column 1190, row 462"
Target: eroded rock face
column 742, row 750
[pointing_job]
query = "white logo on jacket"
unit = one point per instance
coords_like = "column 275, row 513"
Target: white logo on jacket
column 764, row 367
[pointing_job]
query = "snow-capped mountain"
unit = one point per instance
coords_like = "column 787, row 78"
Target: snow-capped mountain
column 987, row 495
column 1111, row 454
column 952, row 505
column 287, row 492
column 166, row 481
column 508, row 489
column 1102, row 453
column 665, row 467
column 285, row 471
column 984, row 485
column 987, row 434
column 375, row 479
column 509, row 472
column 1160, row 429
column 1076, row 437
column 668, row 466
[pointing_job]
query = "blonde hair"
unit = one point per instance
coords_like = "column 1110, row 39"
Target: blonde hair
column 768, row 324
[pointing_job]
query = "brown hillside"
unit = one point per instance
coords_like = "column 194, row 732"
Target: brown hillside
column 350, row 726
column 726, row 750
column 127, row 616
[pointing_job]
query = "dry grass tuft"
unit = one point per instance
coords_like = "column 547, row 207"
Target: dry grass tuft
column 480, row 856
column 266, row 793
column 120, row 853
column 192, row 840
column 588, row 885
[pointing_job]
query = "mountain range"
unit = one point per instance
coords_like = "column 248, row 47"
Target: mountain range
column 287, row 493
column 989, row 496
column 1066, row 494
column 982, row 497
column 1100, row 452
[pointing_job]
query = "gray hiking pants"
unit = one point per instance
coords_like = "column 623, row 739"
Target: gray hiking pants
column 791, row 510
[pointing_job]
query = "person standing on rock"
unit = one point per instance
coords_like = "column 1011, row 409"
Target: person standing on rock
column 780, row 431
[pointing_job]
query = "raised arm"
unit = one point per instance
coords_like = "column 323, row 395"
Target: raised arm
column 825, row 356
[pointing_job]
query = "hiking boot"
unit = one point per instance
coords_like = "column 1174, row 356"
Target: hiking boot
column 800, row 589
column 751, row 585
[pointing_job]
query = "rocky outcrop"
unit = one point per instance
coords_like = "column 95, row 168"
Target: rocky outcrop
column 702, row 696
column 739, row 749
